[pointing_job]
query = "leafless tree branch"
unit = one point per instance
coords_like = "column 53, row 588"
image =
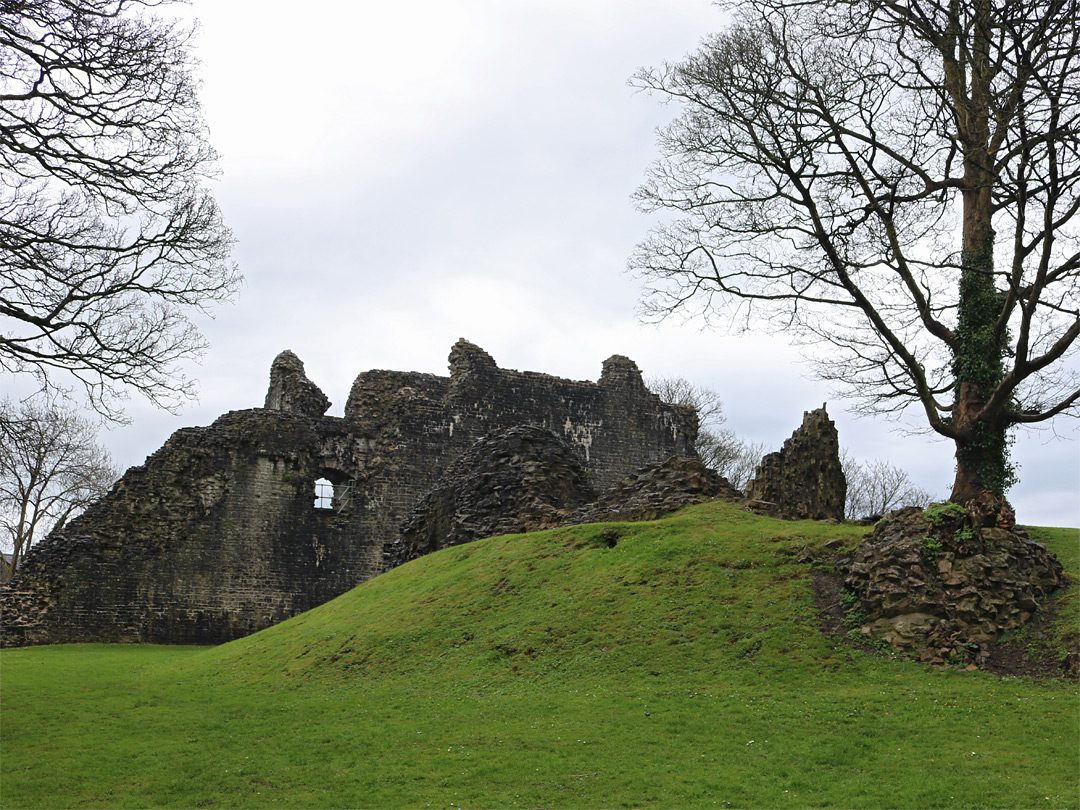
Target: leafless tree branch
column 108, row 237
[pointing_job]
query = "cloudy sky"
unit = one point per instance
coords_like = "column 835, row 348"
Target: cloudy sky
column 399, row 175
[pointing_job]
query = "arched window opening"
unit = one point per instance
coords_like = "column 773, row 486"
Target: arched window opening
column 324, row 494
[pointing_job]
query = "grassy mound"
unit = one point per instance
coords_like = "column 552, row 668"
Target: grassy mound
column 677, row 662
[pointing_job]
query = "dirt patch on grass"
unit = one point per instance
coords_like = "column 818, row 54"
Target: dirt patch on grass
column 1034, row 651
column 1031, row 652
column 827, row 598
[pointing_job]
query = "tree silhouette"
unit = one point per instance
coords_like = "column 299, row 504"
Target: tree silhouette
column 894, row 183
column 108, row 237
column 51, row 468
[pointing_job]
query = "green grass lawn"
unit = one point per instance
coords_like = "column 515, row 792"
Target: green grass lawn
column 674, row 663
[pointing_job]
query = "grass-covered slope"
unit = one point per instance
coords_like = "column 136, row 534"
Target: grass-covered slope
column 672, row 663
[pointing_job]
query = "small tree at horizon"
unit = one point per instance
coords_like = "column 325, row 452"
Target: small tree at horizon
column 51, row 468
column 894, row 182
column 877, row 487
column 742, row 468
column 718, row 447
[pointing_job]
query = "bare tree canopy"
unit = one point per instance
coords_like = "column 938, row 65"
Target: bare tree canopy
column 875, row 488
column 894, row 183
column 719, row 448
column 108, row 238
column 51, row 468
column 680, row 391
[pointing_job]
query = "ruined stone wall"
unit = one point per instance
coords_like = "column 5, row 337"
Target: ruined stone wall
column 217, row 534
column 804, row 479
column 617, row 424
column 509, row 481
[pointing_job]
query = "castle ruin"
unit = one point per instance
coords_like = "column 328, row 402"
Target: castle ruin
column 269, row 512
column 804, row 479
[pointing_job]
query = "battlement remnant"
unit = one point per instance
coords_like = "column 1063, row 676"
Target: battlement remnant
column 291, row 390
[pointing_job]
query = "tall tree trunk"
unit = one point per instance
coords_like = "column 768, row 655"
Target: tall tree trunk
column 982, row 460
column 982, row 457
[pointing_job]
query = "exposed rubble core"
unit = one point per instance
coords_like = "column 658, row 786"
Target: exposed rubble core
column 804, row 479
column 510, row 481
column 526, row 478
column 935, row 584
column 655, row 490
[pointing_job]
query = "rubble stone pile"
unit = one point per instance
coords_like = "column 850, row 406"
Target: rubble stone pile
column 939, row 584
column 655, row 490
column 510, row 481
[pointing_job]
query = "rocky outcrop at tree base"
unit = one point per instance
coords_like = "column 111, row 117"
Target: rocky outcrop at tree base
column 932, row 583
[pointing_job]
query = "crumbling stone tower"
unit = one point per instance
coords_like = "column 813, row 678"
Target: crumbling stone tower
column 804, row 478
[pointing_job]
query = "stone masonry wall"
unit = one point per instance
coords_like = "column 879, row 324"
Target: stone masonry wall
column 804, row 478
column 214, row 537
column 217, row 535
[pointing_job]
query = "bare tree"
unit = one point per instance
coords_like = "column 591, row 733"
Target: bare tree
column 51, row 468
column 742, row 468
column 717, row 447
column 680, row 391
column 877, row 487
column 108, row 238
column 894, row 182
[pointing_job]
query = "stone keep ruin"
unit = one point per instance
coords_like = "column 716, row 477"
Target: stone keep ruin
column 272, row 511
column 219, row 534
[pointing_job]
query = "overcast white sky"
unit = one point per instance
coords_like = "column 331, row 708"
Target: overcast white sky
column 400, row 175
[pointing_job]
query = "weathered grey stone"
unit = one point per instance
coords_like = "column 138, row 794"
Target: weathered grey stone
column 469, row 363
column 622, row 372
column 937, row 587
column 290, row 389
column 217, row 534
column 527, row 478
column 804, row 479
column 510, row 481
column 652, row 491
